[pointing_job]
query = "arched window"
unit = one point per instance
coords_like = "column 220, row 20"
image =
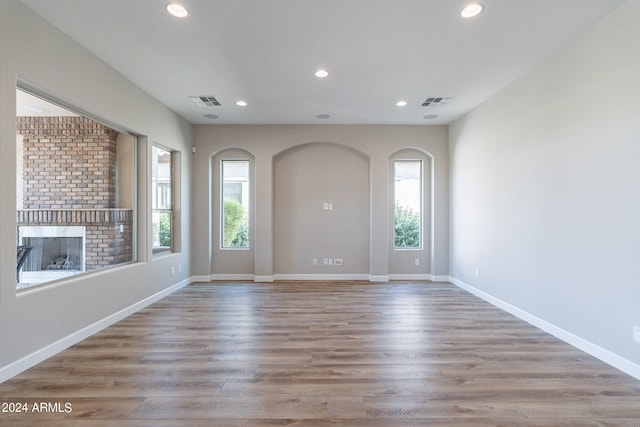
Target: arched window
column 408, row 193
column 235, row 196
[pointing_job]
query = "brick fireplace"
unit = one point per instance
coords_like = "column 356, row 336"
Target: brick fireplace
column 68, row 181
column 107, row 232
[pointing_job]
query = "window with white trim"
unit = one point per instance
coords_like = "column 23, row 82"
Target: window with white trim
column 235, row 204
column 162, row 199
column 407, row 204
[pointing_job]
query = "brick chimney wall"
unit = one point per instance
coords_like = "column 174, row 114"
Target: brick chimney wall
column 69, row 163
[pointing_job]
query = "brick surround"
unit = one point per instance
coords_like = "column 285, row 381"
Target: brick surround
column 69, row 178
column 105, row 243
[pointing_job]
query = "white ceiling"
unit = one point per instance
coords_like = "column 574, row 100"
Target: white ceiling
column 377, row 52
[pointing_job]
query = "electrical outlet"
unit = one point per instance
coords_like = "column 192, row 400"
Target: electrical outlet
column 636, row 334
column 417, row 261
column 173, row 270
column 326, row 261
column 330, row 261
column 337, row 261
column 477, row 273
column 314, row 261
column 179, row 268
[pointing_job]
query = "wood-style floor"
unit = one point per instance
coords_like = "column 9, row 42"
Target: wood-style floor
column 323, row 354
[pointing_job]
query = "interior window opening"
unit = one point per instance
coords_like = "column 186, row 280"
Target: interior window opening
column 75, row 186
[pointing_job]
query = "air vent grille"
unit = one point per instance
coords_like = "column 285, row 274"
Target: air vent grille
column 436, row 101
column 205, row 101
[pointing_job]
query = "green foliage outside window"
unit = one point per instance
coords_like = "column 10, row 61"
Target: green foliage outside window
column 164, row 232
column 242, row 236
column 407, row 228
column 235, row 231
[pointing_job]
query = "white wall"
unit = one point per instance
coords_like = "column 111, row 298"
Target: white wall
column 360, row 147
column 545, row 190
column 31, row 323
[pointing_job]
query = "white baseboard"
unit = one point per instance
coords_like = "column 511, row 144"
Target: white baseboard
column 201, row 279
column 410, row 276
column 422, row 277
column 44, row 353
column 328, row 277
column 609, row 357
column 232, row 277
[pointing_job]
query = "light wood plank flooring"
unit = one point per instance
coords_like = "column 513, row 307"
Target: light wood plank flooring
column 323, row 354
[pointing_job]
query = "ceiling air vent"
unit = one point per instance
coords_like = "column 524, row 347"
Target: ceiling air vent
column 205, row 101
column 436, row 101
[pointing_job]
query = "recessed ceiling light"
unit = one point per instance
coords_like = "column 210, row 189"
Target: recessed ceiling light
column 177, row 10
column 471, row 10
column 322, row 116
column 211, row 116
column 401, row 103
column 241, row 103
column 322, row 73
column 430, row 116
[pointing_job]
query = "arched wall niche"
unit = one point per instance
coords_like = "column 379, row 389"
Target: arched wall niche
column 321, row 203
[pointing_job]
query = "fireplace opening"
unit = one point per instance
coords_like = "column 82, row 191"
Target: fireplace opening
column 53, row 253
column 56, row 252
